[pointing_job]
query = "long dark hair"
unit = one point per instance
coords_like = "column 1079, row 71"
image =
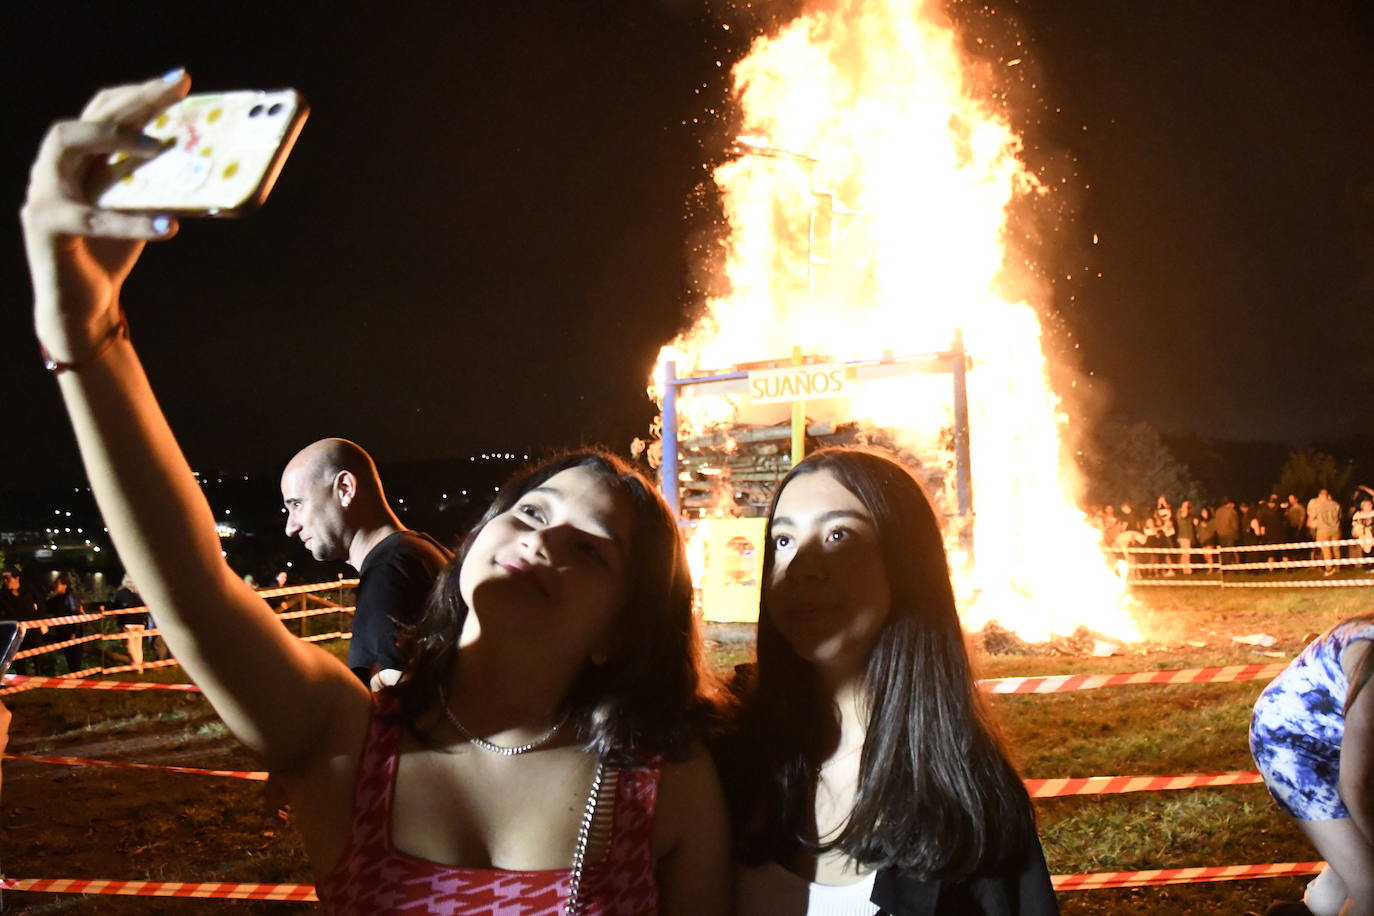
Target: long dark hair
column 653, row 694
column 936, row 793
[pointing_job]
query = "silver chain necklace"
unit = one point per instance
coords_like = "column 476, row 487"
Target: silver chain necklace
column 584, row 833
column 584, row 829
column 486, row 745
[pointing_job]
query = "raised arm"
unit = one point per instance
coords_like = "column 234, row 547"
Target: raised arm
column 278, row 695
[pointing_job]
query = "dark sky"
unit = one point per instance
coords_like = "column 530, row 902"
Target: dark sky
column 482, row 238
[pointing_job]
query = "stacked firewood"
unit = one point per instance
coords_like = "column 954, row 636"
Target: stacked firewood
column 734, row 471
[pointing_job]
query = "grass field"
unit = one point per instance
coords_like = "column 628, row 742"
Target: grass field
column 1157, row 730
column 138, row 824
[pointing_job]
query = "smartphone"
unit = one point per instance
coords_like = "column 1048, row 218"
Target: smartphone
column 11, row 636
column 223, row 152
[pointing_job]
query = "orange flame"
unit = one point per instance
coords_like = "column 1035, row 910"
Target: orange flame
column 867, row 206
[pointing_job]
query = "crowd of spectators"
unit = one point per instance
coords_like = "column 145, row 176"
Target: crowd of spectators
column 1188, row 532
column 37, row 599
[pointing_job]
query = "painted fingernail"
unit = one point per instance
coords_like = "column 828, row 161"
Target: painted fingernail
column 161, row 224
column 174, row 75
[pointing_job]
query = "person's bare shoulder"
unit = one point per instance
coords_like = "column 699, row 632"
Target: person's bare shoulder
column 692, row 838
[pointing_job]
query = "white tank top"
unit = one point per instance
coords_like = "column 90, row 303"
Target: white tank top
column 771, row 890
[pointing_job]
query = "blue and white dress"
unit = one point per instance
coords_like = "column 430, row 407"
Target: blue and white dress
column 1299, row 720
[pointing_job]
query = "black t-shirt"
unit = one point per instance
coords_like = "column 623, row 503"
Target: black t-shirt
column 395, row 579
column 26, row 605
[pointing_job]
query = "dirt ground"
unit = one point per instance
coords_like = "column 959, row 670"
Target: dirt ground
column 87, row 822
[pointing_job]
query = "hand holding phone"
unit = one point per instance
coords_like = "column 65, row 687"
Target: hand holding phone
column 223, row 152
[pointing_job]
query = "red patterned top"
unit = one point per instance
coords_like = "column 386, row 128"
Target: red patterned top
column 373, row 878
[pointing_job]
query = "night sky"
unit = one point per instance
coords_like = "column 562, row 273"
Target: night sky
column 483, row 235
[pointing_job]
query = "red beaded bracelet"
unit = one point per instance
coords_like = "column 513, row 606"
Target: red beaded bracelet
column 121, row 329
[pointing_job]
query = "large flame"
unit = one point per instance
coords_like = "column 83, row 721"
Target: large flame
column 867, row 208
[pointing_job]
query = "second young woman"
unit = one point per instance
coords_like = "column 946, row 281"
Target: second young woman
column 864, row 776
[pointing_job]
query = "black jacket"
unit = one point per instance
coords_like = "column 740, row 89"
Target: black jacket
column 1017, row 891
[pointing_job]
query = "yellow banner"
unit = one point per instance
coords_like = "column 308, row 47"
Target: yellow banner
column 732, row 568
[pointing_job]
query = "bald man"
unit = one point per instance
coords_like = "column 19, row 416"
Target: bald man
column 335, row 505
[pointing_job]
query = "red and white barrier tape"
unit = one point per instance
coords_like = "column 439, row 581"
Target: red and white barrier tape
column 1038, row 788
column 18, row 682
column 126, row 635
column 1301, row 583
column 313, row 612
column 1055, row 683
column 1118, row 785
column 120, row 669
column 55, row 646
column 1201, row 582
column 304, row 893
column 1198, row 875
column 125, row 611
column 58, row 621
column 321, row 637
column 148, row 632
column 301, row 589
column 258, row 775
column 1061, row 683
column 143, row 609
column 1276, row 547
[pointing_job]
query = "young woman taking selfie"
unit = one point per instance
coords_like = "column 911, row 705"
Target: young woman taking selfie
column 539, row 755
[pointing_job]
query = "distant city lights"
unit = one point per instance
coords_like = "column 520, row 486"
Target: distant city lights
column 252, row 518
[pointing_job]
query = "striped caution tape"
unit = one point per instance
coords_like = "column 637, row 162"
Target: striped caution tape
column 321, row 637
column 304, row 893
column 1275, row 548
column 1302, row 583
column 18, row 682
column 1038, row 788
column 143, row 609
column 148, row 632
column 54, row 646
column 58, row 621
column 1056, row 683
column 314, row 612
column 258, row 775
column 120, row 669
column 1198, row 875
column 1117, row 785
column 125, row 611
column 285, row 590
column 1062, row 683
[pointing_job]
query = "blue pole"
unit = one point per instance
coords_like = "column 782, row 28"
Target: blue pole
column 963, row 473
column 667, row 469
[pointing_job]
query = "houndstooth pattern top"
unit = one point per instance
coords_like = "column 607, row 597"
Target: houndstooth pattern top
column 373, row 878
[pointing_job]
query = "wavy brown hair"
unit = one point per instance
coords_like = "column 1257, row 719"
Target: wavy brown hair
column 653, row 694
column 937, row 793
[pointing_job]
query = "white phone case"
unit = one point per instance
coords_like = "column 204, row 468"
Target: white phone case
column 224, row 152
